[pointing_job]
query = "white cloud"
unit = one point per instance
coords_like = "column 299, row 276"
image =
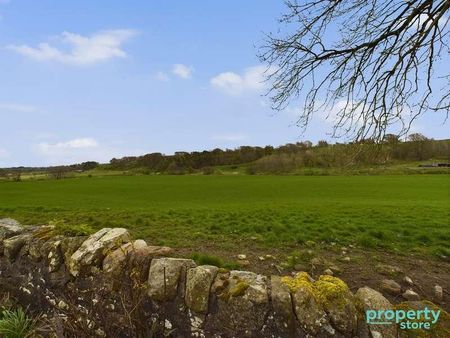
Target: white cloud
column 161, row 76
column 232, row 137
column 61, row 147
column 79, row 150
column 423, row 18
column 83, row 50
column 16, row 108
column 251, row 80
column 182, row 71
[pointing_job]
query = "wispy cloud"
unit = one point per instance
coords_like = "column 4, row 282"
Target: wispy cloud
column 183, row 71
column 251, row 80
column 69, row 152
column 83, row 50
column 16, row 108
column 161, row 76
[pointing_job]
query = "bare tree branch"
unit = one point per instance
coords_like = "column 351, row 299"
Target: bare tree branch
column 379, row 72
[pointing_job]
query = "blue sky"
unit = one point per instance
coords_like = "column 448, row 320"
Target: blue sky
column 91, row 80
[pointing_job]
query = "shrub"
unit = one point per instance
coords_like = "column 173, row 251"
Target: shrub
column 208, row 170
column 251, row 170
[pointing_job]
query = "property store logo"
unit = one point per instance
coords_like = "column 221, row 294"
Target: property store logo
column 406, row 319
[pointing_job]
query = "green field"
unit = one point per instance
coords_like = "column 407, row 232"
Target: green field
column 407, row 214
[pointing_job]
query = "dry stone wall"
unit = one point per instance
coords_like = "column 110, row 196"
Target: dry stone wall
column 109, row 285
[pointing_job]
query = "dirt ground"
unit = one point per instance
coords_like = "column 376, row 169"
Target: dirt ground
column 362, row 268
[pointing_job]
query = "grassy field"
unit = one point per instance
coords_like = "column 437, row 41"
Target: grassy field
column 407, row 214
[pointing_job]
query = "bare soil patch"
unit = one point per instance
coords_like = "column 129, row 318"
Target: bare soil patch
column 363, row 268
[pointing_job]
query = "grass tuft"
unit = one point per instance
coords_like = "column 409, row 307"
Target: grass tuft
column 16, row 324
column 60, row 227
column 205, row 259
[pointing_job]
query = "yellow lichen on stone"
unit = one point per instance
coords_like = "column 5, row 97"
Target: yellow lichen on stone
column 329, row 289
column 326, row 290
column 300, row 280
column 239, row 288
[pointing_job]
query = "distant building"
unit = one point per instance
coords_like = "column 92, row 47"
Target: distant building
column 435, row 165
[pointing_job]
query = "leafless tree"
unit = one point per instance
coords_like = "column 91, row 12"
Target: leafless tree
column 58, row 172
column 374, row 65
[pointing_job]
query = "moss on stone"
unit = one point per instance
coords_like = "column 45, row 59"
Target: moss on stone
column 239, row 288
column 326, row 290
column 300, row 280
column 223, row 270
column 235, row 291
column 329, row 289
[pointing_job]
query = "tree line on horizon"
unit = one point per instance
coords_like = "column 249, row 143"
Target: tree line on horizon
column 282, row 159
column 287, row 157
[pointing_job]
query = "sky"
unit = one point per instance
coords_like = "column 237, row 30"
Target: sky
column 92, row 80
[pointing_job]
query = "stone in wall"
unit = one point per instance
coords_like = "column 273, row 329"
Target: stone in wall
column 55, row 256
column 137, row 252
column 374, row 300
column 115, row 260
column 13, row 245
column 96, row 247
column 174, row 271
column 9, row 227
column 323, row 307
column 69, row 245
column 241, row 305
column 198, row 286
column 282, row 318
column 338, row 303
column 309, row 313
